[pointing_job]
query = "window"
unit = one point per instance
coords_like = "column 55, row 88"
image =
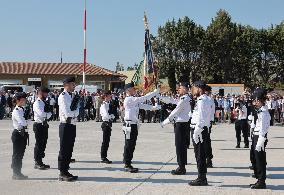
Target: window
column 99, row 84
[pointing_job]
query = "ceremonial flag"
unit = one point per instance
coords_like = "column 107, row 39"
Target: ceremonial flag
column 149, row 67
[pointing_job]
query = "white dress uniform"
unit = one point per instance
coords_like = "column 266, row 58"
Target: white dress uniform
column 19, row 139
column 39, row 115
column 106, row 128
column 199, row 126
column 241, row 126
column 180, row 117
column 259, row 142
column 131, row 121
column 64, row 102
column 40, row 129
column 67, row 132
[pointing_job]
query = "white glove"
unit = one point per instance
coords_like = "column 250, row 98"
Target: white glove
column 157, row 107
column 197, row 135
column 250, row 117
column 260, row 144
column 165, row 122
column 112, row 116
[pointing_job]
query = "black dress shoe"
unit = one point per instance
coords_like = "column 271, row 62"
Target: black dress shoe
column 258, row 185
column 106, row 161
column 19, row 176
column 253, row 175
column 75, row 177
column 65, row 177
column 72, row 160
column 199, row 182
column 246, row 146
column 130, row 169
column 251, row 167
column 41, row 166
column 179, row 171
column 238, row 146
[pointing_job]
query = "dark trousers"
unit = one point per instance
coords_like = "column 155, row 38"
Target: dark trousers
column 41, row 136
column 67, row 135
column 106, row 128
column 19, row 147
column 258, row 160
column 130, row 144
column 181, row 143
column 271, row 112
column 200, row 152
column 208, row 146
column 242, row 126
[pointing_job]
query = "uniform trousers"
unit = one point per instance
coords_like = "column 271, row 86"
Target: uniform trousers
column 258, row 160
column 106, row 128
column 242, row 126
column 200, row 151
column 19, row 146
column 41, row 136
column 130, row 144
column 67, row 135
column 181, row 142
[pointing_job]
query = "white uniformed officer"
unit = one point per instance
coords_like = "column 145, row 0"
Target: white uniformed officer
column 19, row 135
column 259, row 141
column 199, row 125
column 42, row 113
column 208, row 146
column 106, row 126
column 68, row 111
column 180, row 117
column 241, row 125
column 132, row 105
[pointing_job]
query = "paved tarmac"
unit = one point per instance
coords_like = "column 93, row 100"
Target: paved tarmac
column 154, row 155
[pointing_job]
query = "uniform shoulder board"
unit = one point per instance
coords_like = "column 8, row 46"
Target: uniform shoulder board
column 63, row 93
column 183, row 98
column 17, row 108
column 38, row 100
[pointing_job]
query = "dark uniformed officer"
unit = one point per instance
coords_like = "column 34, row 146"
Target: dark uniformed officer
column 106, row 126
column 199, row 125
column 19, row 135
column 132, row 105
column 68, row 111
column 42, row 113
column 259, row 141
column 180, row 117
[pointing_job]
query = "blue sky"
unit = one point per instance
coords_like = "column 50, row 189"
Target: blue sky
column 38, row 30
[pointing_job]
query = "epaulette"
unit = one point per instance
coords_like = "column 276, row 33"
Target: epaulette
column 182, row 98
column 17, row 108
column 63, row 93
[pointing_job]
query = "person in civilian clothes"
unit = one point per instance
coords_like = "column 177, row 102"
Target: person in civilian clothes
column 241, row 125
column 180, row 117
column 42, row 113
column 260, row 131
column 271, row 104
column 68, row 111
column 19, row 136
column 107, row 118
column 132, row 105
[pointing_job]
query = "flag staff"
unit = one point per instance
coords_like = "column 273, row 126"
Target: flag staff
column 85, row 46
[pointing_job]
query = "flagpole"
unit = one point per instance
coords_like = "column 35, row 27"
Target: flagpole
column 85, row 46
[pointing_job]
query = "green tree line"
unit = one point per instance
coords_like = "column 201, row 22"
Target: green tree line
column 224, row 52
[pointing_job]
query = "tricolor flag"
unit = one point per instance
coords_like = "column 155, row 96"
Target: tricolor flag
column 149, row 67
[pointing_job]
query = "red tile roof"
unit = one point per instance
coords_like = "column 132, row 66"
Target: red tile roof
column 53, row 69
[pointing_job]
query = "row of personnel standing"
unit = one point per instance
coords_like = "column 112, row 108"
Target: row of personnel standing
column 188, row 125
